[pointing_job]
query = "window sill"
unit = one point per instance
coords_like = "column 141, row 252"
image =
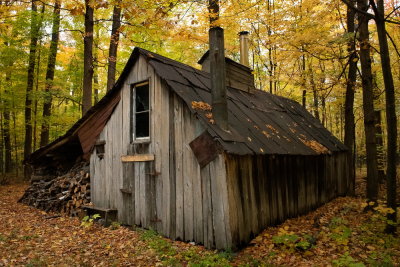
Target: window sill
column 141, row 141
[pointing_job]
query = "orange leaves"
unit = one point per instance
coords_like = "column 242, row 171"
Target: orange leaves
column 28, row 238
column 314, row 145
column 201, row 106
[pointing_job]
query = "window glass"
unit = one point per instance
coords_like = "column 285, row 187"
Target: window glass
column 141, row 111
column 142, row 98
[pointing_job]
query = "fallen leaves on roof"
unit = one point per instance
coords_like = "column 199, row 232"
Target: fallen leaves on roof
column 272, row 128
column 314, row 145
column 199, row 105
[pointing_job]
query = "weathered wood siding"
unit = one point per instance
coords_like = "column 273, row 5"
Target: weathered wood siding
column 221, row 205
column 266, row 190
column 170, row 194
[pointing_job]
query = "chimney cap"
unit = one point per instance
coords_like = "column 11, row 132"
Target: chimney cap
column 244, row 33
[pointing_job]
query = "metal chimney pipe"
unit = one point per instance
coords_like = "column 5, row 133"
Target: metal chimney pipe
column 244, row 48
column 218, row 73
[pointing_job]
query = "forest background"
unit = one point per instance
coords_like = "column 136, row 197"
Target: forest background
column 300, row 49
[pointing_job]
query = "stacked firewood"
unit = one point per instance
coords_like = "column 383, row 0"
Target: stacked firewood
column 66, row 193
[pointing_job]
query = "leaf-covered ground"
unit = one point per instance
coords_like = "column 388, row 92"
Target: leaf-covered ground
column 337, row 234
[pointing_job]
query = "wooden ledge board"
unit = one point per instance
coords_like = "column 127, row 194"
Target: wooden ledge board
column 137, row 158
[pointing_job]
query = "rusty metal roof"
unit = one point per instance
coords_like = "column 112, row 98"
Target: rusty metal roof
column 260, row 122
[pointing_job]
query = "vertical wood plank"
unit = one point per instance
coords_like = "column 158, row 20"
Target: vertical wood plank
column 235, row 205
column 207, row 208
column 188, row 173
column 156, row 144
column 168, row 223
column 137, row 193
column 272, row 191
column 219, row 200
column 279, row 189
column 177, row 125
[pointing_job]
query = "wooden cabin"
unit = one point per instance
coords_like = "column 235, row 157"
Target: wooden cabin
column 158, row 157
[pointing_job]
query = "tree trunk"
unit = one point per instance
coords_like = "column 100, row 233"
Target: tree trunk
column 95, row 80
column 51, row 64
column 349, row 127
column 112, row 55
column 391, row 119
column 315, row 93
column 368, row 104
column 303, row 77
column 379, row 146
column 6, row 118
column 1, row 143
column 35, row 102
column 87, row 59
column 96, row 85
column 14, row 123
column 29, row 86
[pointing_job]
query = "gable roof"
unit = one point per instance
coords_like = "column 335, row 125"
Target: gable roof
column 260, row 123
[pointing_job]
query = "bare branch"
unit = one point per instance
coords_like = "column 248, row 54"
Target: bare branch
column 393, row 43
column 350, row 5
column 394, row 10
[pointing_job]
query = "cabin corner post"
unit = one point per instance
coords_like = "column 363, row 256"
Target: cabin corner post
column 218, row 77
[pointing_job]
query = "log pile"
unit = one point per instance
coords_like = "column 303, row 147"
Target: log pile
column 66, row 193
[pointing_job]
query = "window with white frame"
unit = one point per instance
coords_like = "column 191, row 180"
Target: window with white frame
column 140, row 122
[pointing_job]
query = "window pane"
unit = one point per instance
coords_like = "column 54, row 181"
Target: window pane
column 142, row 98
column 142, row 125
